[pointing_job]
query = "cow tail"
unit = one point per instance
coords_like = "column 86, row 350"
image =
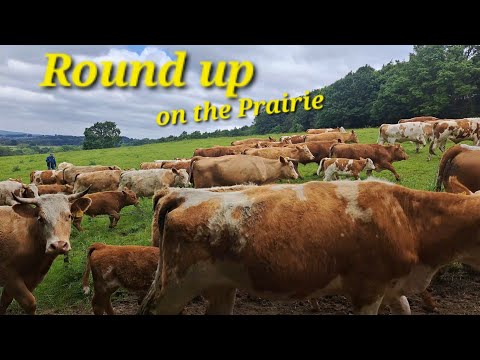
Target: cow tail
column 86, row 274
column 380, row 135
column 430, row 147
column 332, row 148
column 320, row 167
column 445, row 164
column 191, row 180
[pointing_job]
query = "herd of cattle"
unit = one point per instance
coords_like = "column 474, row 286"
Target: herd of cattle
column 221, row 222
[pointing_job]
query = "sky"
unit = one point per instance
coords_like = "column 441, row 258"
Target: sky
column 279, row 69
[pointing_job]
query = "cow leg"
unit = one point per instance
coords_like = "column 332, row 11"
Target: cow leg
column 220, row 300
column 389, row 167
column 369, row 172
column 5, row 301
column 370, row 307
column 24, row 297
column 77, row 223
column 417, row 150
column 114, row 217
column 399, row 305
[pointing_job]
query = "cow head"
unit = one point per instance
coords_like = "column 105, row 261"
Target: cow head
column 130, row 197
column 352, row 138
column 29, row 191
column 304, row 154
column 53, row 213
column 369, row 165
column 181, row 178
column 398, row 153
column 288, row 169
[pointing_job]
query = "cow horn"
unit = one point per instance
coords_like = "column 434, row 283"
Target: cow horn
column 33, row 201
column 78, row 195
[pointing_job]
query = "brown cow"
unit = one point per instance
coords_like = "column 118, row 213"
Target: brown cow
column 130, row 267
column 382, row 156
column 177, row 165
column 350, row 137
column 105, row 180
column 46, row 177
column 320, row 149
column 293, row 139
column 54, row 189
column 418, row 119
column 151, row 165
column 217, row 151
column 239, row 169
column 69, row 174
column 326, row 130
column 463, row 162
column 298, row 152
column 265, row 144
column 107, row 203
column 30, row 239
column 251, row 141
column 341, row 166
column 350, row 241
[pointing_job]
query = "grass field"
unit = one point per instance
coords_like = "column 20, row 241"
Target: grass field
column 61, row 290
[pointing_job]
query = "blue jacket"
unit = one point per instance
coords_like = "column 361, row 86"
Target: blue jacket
column 52, row 161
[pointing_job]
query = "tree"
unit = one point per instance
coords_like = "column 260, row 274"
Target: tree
column 102, row 135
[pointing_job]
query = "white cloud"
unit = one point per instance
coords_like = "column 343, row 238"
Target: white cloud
column 279, row 68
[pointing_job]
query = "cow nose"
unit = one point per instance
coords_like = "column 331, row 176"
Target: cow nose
column 58, row 247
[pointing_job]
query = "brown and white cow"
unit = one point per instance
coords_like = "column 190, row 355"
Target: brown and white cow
column 418, row 119
column 350, row 241
column 455, row 130
column 341, row 166
column 293, row 139
column 301, row 153
column 326, row 130
column 416, row 132
column 54, row 189
column 239, row 169
column 463, row 162
column 382, row 155
column 130, row 267
column 46, row 177
column 350, row 137
column 251, row 141
column 69, row 174
column 30, row 239
column 146, row 182
column 8, row 188
column 106, row 203
column 104, row 180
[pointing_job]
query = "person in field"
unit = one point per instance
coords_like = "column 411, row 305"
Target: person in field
column 51, row 162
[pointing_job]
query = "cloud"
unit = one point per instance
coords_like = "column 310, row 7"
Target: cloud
column 279, row 68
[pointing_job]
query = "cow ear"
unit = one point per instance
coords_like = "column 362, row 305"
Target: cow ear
column 175, row 171
column 25, row 210
column 283, row 160
column 79, row 206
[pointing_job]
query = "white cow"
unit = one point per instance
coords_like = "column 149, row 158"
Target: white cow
column 416, row 132
column 146, row 182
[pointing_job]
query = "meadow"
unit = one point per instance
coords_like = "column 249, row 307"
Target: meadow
column 61, row 291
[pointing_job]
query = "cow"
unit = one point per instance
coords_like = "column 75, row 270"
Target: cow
column 239, row 169
column 144, row 183
column 455, row 130
column 54, row 189
column 326, row 130
column 104, row 180
column 184, row 164
column 64, row 165
column 251, row 141
column 106, row 203
column 46, row 177
column 375, row 250
column 416, row 132
column 381, row 155
column 131, row 267
column 69, row 174
column 418, row 119
column 319, row 149
column 463, row 162
column 265, row 144
column 151, row 165
column 217, row 151
column 350, row 137
column 341, row 166
column 298, row 152
column 293, row 139
column 8, row 188
column 30, row 239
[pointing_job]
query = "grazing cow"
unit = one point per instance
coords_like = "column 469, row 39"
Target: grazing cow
column 416, row 132
column 463, row 162
column 320, row 149
column 8, row 188
column 69, row 174
column 151, row 165
column 382, row 156
column 341, row 166
column 350, row 241
column 298, row 152
column 294, row 139
column 251, row 141
column 104, row 180
column 146, row 182
column 239, row 169
column 184, row 164
column 30, row 239
column 46, row 177
column 130, row 267
column 418, row 119
column 54, row 189
column 107, row 203
column 455, row 130
column 217, row 151
column 350, row 137
column 323, row 131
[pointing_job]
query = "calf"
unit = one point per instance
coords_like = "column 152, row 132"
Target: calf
column 341, row 166
column 113, row 267
column 106, row 203
column 54, row 189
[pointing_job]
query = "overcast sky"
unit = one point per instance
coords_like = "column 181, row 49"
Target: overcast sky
column 27, row 107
